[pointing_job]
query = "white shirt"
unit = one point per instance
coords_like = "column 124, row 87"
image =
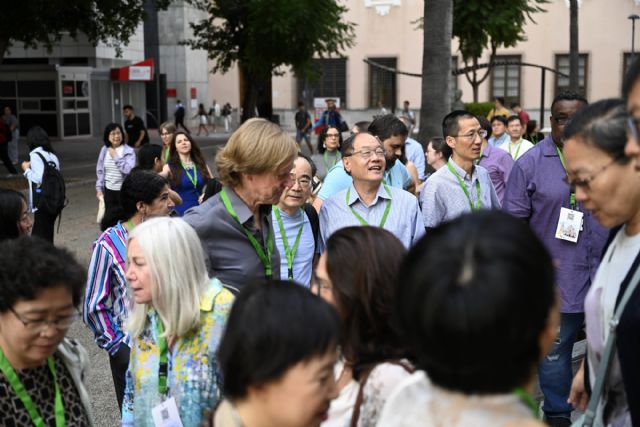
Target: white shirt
column 113, row 176
column 416, row 402
column 516, row 149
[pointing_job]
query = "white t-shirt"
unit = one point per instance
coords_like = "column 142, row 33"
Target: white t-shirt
column 416, row 402
column 516, row 150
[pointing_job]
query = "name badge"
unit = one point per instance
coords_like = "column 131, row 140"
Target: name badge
column 166, row 414
column 569, row 225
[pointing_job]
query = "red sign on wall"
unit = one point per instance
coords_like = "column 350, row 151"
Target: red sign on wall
column 194, row 93
column 172, row 92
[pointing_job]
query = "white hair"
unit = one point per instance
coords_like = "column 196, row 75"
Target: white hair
column 178, row 273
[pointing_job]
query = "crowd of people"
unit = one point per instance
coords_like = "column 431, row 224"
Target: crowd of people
column 375, row 283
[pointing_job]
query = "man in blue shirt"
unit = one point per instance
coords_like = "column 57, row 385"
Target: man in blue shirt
column 292, row 225
column 499, row 133
column 368, row 200
column 392, row 133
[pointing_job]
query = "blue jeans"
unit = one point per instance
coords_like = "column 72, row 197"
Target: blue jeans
column 303, row 135
column 555, row 371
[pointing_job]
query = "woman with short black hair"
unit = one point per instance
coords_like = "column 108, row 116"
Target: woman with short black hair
column 478, row 308
column 14, row 215
column 144, row 194
column 293, row 385
column 41, row 371
column 356, row 274
column 115, row 162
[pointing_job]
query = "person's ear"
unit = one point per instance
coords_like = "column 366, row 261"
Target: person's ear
column 142, row 208
column 346, row 162
column 451, row 141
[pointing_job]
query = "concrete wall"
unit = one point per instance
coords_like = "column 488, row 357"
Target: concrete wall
column 185, row 68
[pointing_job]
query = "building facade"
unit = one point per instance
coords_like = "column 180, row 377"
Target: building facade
column 388, row 35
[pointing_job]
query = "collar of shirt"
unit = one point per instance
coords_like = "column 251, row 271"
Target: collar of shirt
column 242, row 210
column 486, row 151
column 463, row 174
column 548, row 147
column 211, row 292
column 382, row 193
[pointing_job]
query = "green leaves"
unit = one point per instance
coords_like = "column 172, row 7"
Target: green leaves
column 264, row 35
column 480, row 24
column 35, row 22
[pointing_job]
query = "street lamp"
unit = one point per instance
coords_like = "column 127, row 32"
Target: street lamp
column 633, row 34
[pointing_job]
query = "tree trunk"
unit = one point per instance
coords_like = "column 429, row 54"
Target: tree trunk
column 436, row 67
column 249, row 97
column 574, row 53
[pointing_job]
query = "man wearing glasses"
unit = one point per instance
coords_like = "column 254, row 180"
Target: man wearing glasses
column 369, row 201
column 295, row 225
column 460, row 186
column 537, row 192
column 393, row 133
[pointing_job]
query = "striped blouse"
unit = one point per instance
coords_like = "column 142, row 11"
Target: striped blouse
column 106, row 302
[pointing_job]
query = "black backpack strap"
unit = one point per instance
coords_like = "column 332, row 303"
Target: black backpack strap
column 45, row 162
column 314, row 220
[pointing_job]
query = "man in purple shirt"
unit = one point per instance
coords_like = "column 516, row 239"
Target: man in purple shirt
column 536, row 192
column 498, row 162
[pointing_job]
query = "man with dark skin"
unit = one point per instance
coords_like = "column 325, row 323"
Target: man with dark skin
column 537, row 193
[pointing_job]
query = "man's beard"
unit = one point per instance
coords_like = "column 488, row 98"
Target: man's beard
column 389, row 163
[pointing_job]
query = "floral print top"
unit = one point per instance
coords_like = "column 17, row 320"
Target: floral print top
column 193, row 377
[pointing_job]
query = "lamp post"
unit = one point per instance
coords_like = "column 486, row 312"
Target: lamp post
column 633, row 34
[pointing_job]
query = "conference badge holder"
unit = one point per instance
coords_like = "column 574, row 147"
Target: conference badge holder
column 166, row 414
column 569, row 225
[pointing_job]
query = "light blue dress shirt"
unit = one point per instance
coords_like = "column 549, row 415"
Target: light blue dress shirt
column 414, row 151
column 404, row 219
column 442, row 199
column 303, row 259
column 338, row 179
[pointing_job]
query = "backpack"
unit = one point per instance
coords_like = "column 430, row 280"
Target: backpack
column 52, row 198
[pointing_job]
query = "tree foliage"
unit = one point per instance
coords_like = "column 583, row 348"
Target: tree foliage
column 263, row 36
column 35, row 22
column 479, row 25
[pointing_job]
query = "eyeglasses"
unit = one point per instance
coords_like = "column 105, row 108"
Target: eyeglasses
column 303, row 182
column 472, row 135
column 166, row 134
column 38, row 326
column 115, row 133
column 586, row 182
column 333, row 135
column 366, row 153
column 561, row 121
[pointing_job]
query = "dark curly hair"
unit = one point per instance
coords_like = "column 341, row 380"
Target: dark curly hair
column 323, row 136
column 31, row 264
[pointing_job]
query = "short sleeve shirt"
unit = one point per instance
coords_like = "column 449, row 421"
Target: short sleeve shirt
column 133, row 128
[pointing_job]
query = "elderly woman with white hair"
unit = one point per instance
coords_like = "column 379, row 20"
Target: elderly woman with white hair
column 176, row 324
column 235, row 225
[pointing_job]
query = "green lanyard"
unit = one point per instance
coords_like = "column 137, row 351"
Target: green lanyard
column 290, row 253
column 163, row 368
column 464, row 188
column 364, row 221
column 517, row 149
column 166, row 156
column 572, row 196
column 326, row 160
column 18, row 388
column 264, row 258
column 194, row 178
column 528, row 401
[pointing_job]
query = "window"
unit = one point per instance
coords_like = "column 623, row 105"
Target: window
column 331, row 80
column 505, row 79
column 562, row 65
column 382, row 84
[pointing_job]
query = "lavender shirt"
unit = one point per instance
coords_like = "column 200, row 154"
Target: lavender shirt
column 535, row 192
column 498, row 163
